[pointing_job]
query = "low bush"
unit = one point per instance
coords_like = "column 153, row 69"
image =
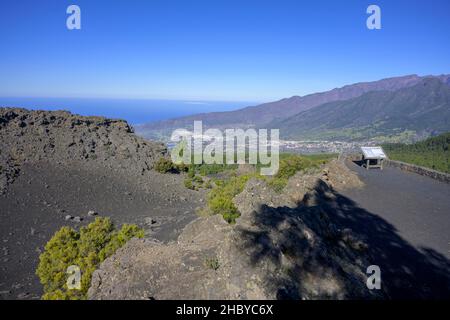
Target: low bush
column 194, row 182
column 208, row 184
column 290, row 164
column 85, row 249
column 198, row 179
column 188, row 183
column 212, row 169
column 164, row 165
column 220, row 198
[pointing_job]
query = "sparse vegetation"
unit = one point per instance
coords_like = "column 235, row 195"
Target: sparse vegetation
column 189, row 184
column 164, row 165
column 208, row 184
column 212, row 169
column 290, row 164
column 194, row 183
column 212, row 263
column 230, row 184
column 220, row 198
column 86, row 249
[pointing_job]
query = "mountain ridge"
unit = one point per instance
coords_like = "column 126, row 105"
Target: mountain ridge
column 420, row 110
column 266, row 113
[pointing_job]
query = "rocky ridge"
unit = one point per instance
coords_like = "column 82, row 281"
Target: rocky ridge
column 64, row 138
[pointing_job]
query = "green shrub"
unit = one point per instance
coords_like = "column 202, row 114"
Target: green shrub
column 220, row 199
column 290, row 164
column 208, row 169
column 188, row 183
column 164, row 165
column 181, row 167
column 197, row 179
column 211, row 169
column 194, row 182
column 191, row 171
column 208, row 184
column 85, row 249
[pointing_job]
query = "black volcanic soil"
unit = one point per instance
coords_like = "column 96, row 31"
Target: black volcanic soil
column 36, row 204
column 53, row 177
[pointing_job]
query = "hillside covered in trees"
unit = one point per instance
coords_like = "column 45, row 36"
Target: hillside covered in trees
column 432, row 153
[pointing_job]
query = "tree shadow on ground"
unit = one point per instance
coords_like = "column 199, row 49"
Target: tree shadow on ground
column 348, row 240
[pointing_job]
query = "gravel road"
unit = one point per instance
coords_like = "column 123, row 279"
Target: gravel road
column 405, row 219
column 418, row 206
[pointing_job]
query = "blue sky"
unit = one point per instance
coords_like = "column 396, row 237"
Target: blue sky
column 214, row 50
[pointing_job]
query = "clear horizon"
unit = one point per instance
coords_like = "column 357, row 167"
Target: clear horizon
column 201, row 101
column 234, row 51
column 135, row 111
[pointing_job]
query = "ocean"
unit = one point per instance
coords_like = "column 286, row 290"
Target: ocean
column 133, row 110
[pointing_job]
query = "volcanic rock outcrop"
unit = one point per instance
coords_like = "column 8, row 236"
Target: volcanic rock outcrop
column 284, row 246
column 64, row 138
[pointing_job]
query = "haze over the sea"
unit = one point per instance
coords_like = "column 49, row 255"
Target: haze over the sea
column 135, row 111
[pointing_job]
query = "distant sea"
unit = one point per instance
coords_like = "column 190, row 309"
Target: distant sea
column 132, row 110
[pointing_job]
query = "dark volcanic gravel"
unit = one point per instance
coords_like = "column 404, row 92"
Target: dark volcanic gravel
column 56, row 167
column 37, row 203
